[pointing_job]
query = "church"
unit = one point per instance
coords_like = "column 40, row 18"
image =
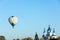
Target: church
column 49, row 34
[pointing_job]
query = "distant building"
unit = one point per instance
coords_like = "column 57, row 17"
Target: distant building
column 49, row 34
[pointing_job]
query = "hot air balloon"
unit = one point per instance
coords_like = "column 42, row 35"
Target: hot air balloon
column 13, row 20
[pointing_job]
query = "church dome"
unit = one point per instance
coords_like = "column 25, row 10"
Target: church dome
column 49, row 29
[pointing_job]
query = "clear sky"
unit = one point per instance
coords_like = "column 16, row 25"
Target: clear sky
column 33, row 15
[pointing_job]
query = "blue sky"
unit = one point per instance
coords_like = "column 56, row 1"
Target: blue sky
column 33, row 15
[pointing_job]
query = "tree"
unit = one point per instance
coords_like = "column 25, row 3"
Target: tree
column 58, row 38
column 18, row 39
column 29, row 38
column 2, row 38
column 42, row 39
column 36, row 37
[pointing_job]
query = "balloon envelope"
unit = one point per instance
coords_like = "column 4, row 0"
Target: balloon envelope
column 13, row 20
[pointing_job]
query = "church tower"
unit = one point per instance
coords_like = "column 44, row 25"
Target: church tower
column 44, row 35
column 48, row 31
column 53, row 32
column 54, row 35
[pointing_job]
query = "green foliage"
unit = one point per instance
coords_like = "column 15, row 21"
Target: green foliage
column 2, row 38
column 29, row 38
column 18, row 39
column 58, row 38
column 41, row 38
column 36, row 37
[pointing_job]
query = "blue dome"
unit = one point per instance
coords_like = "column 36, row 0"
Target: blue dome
column 49, row 29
